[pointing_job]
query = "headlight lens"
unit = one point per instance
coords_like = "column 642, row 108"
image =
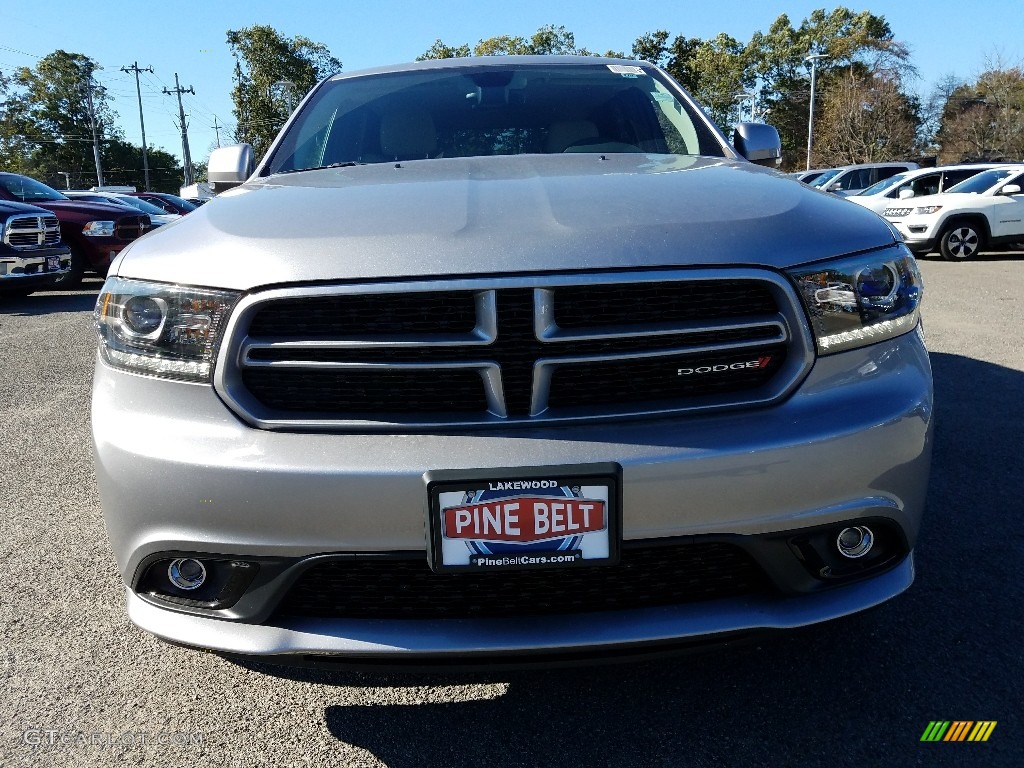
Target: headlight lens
column 926, row 209
column 858, row 301
column 170, row 331
column 99, row 229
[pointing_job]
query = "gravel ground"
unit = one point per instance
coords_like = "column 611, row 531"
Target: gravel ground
column 83, row 687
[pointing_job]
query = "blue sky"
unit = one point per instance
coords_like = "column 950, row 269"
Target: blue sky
column 188, row 37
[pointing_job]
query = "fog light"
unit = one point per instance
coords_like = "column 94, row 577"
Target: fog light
column 186, row 573
column 855, row 542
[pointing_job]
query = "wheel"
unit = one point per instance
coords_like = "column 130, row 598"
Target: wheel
column 961, row 240
column 73, row 278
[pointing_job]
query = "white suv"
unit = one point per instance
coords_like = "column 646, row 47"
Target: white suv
column 987, row 209
column 886, row 194
column 851, row 179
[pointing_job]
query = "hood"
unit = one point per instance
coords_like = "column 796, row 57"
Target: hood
column 502, row 215
column 8, row 207
column 89, row 207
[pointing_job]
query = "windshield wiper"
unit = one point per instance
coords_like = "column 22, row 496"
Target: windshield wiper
column 345, row 164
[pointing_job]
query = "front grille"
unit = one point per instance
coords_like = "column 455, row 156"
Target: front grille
column 26, row 232
column 132, row 227
column 647, row 576
column 481, row 353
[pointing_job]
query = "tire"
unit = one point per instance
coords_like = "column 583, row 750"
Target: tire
column 73, row 278
column 961, row 240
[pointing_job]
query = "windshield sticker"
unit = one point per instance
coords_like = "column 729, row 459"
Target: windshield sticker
column 663, row 97
column 622, row 69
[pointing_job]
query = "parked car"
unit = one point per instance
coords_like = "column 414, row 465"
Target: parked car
column 32, row 257
column 157, row 215
column 95, row 232
column 912, row 184
column 509, row 355
column 808, row 177
column 985, row 210
column 851, row 179
column 166, row 202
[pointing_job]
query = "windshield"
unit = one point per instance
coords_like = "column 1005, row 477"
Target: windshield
column 983, row 181
column 181, row 202
column 28, row 190
column 139, row 204
column 826, row 177
column 880, row 187
column 472, row 111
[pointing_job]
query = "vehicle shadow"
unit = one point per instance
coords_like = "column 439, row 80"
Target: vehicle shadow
column 858, row 691
column 81, row 299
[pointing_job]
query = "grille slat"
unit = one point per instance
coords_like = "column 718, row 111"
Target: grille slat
column 500, row 353
column 647, row 576
column 24, row 232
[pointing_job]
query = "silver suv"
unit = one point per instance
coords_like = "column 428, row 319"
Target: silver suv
column 507, row 356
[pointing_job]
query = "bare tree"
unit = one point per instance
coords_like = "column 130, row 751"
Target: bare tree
column 865, row 119
column 985, row 121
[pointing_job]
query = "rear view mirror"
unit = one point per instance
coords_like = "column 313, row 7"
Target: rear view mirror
column 759, row 143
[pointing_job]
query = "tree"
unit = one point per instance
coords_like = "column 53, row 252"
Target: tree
column 859, row 43
column 270, row 71
column 865, row 119
column 985, row 121
column 548, row 40
column 122, row 165
column 46, row 123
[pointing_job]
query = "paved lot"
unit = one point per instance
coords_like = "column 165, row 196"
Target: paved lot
column 77, row 674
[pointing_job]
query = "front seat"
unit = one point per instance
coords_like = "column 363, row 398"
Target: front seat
column 408, row 136
column 564, row 134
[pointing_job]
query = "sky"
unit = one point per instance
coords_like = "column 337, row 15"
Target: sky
column 188, row 37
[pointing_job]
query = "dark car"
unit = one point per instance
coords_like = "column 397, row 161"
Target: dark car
column 95, row 232
column 167, row 202
column 32, row 257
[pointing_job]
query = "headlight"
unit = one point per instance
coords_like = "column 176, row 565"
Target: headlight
column 99, row 229
column 170, row 331
column 926, row 209
column 862, row 300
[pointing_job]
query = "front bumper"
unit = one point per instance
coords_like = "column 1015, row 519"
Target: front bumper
column 178, row 472
column 27, row 270
column 920, row 235
column 430, row 641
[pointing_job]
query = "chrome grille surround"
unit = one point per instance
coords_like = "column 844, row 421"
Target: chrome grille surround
column 28, row 231
column 240, row 354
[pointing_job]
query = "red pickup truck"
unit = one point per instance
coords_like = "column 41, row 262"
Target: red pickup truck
column 95, row 232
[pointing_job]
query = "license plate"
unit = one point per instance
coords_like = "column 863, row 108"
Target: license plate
column 532, row 517
column 53, row 263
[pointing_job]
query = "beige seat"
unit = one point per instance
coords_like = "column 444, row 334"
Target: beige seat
column 564, row 134
column 408, row 136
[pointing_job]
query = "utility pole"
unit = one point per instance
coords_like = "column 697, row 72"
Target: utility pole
column 92, row 125
column 145, row 160
column 216, row 127
column 814, row 59
column 184, row 128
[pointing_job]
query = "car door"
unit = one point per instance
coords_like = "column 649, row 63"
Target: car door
column 1007, row 218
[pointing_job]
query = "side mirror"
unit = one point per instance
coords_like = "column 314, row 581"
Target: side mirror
column 835, row 187
column 230, row 166
column 1010, row 189
column 906, row 193
column 759, row 143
